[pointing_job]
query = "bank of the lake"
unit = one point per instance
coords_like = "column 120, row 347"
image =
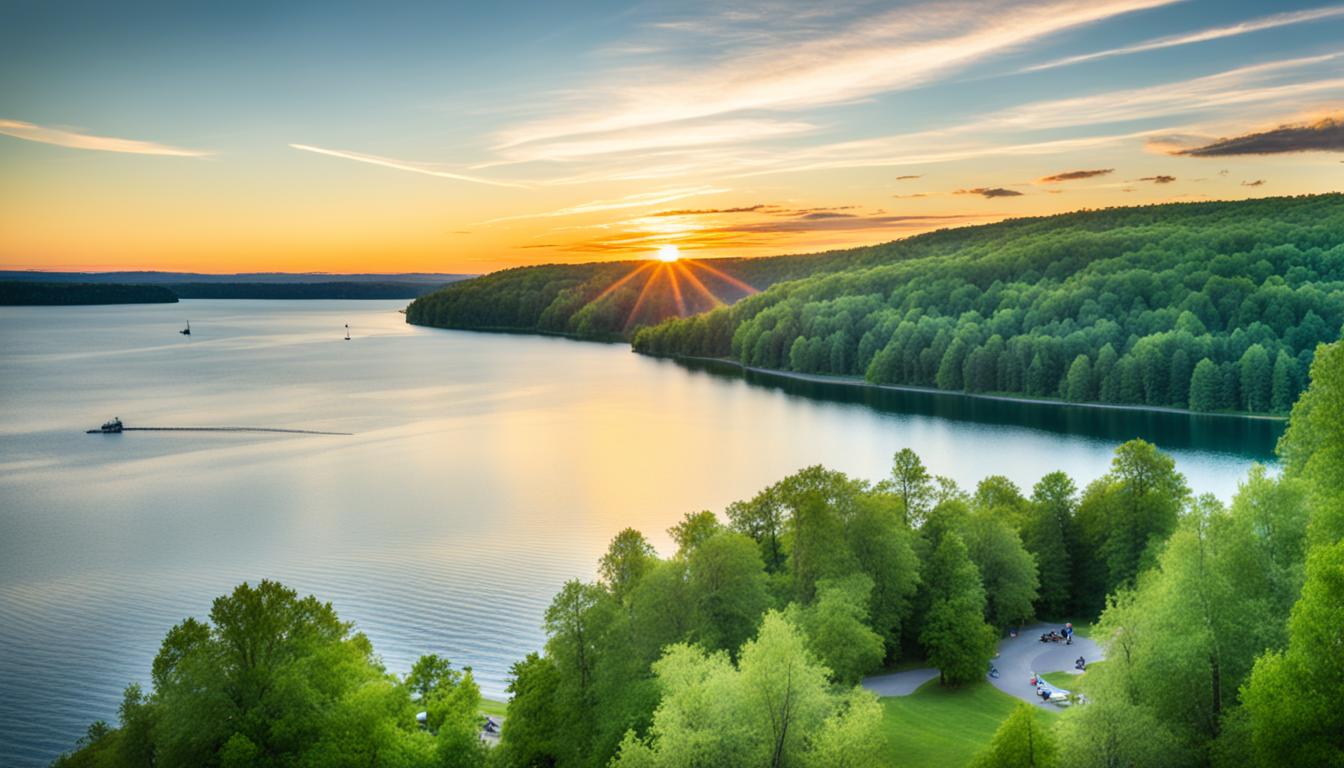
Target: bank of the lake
column 858, row 381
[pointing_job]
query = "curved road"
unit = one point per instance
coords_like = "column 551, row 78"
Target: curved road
column 1018, row 658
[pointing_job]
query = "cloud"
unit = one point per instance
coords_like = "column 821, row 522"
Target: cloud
column 709, row 211
column 908, row 177
column 821, row 215
column 908, row 197
column 1214, row 33
column 404, row 165
column 1159, row 179
column 988, row 192
column 1324, row 135
column 1280, row 81
column 895, row 50
column 63, row 138
column 1256, row 183
column 813, row 223
column 1075, row 175
column 629, row 201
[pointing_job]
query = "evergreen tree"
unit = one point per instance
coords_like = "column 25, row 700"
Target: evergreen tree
column 1255, row 379
column 1204, row 386
column 1078, row 383
column 1284, row 388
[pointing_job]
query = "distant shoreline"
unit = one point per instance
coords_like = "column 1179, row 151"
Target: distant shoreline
column 855, row 381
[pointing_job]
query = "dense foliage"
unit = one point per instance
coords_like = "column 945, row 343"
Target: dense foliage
column 277, row 680
column 1211, row 306
column 30, row 293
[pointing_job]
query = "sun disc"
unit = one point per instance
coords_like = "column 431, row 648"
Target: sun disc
column 669, row 253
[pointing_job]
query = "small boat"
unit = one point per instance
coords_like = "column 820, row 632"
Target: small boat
column 112, row 427
column 186, row 331
column 347, row 331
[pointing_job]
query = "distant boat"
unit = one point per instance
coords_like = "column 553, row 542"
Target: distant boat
column 109, row 428
column 347, row 331
column 186, row 331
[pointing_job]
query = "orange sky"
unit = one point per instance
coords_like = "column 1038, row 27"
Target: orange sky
column 260, row 145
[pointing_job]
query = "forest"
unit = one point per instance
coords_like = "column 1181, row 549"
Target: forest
column 31, row 293
column 744, row 646
column 1209, row 306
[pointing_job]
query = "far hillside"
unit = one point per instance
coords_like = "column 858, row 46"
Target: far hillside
column 1208, row 306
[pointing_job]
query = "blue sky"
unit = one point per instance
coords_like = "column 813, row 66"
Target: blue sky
column 336, row 136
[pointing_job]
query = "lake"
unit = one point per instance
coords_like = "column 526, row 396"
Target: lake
column 483, row 471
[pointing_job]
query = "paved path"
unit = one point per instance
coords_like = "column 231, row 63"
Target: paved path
column 1018, row 658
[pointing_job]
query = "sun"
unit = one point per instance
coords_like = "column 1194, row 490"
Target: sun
column 669, row 253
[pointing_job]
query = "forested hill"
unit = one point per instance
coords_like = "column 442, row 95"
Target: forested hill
column 27, row 293
column 1211, row 306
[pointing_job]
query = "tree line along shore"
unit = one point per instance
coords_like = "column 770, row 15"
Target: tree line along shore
column 1201, row 306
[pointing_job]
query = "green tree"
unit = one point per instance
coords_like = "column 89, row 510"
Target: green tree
column 1204, row 385
column 1293, row 696
column 726, row 585
column 1078, row 381
column 836, row 628
column 1022, row 741
column 626, row 560
column 956, row 639
column 1007, row 570
column 775, row 709
column 1283, row 388
column 1255, row 378
column 1149, row 494
column 912, row 483
column 1045, row 535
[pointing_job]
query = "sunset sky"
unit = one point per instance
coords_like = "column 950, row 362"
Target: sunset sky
column 453, row 137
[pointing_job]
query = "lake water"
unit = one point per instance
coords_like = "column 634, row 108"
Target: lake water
column 484, row 470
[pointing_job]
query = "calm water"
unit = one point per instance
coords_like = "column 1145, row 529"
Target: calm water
column 483, row 472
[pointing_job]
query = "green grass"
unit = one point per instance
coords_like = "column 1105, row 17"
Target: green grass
column 938, row 726
column 493, row 708
column 1062, row 680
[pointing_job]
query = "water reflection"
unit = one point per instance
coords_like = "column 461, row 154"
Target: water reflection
column 1254, row 438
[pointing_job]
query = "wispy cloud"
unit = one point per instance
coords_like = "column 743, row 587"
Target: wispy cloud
column 892, row 51
column 1256, row 183
column 1075, row 175
column 712, row 211
column 1160, row 179
column 403, row 165
column 1231, row 88
column 989, row 192
column 1324, row 135
column 74, row 140
column 640, row 200
column 1203, row 35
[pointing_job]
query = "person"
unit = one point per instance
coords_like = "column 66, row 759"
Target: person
column 1068, row 633
column 1080, row 663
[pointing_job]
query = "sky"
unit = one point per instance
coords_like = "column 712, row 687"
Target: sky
column 451, row 137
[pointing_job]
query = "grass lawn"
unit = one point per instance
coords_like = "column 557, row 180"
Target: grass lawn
column 493, row 708
column 938, row 726
column 1062, row 680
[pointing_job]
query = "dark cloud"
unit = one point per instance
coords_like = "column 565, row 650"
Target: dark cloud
column 1255, row 183
column 989, row 192
column 907, row 178
column 1159, row 179
column 707, row 211
column 1075, row 175
column 809, row 223
column 819, row 215
column 1324, row 135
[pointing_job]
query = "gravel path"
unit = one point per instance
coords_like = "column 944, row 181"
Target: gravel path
column 1018, row 658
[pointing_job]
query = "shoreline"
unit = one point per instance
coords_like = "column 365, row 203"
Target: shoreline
column 855, row 381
